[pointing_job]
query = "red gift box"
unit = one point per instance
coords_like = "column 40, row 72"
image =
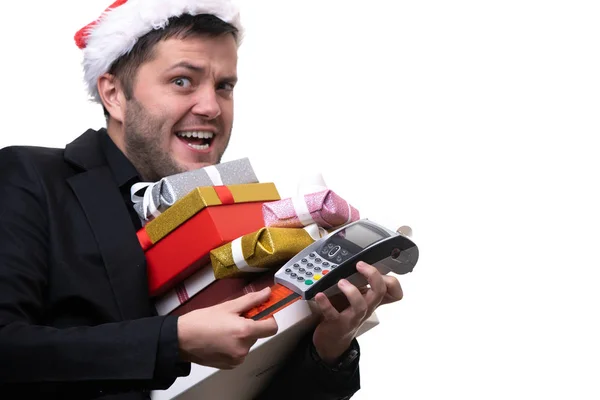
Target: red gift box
column 187, row 248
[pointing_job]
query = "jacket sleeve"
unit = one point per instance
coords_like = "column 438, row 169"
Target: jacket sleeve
column 305, row 376
column 114, row 357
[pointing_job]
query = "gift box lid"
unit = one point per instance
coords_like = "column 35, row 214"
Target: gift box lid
column 197, row 200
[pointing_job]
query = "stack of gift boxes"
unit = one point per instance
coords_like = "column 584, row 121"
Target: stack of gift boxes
column 216, row 233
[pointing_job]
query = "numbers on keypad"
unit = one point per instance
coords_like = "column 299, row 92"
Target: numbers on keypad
column 314, row 266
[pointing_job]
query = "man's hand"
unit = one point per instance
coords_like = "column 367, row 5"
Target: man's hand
column 219, row 336
column 339, row 324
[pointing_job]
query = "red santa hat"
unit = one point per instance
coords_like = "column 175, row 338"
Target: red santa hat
column 116, row 31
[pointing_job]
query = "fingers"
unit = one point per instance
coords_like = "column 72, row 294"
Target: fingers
column 378, row 289
column 358, row 304
column 247, row 335
column 248, row 301
column 327, row 309
column 393, row 290
column 264, row 328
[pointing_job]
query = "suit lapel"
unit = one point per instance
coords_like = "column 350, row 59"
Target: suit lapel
column 109, row 219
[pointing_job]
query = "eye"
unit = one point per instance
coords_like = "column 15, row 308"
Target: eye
column 182, row 82
column 227, row 86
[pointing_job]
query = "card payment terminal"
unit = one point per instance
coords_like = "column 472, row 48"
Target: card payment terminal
column 320, row 266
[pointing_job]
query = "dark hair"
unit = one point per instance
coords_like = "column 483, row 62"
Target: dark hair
column 125, row 68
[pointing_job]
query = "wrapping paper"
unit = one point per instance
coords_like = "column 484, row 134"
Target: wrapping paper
column 325, row 208
column 202, row 289
column 187, row 249
column 258, row 251
column 197, row 200
column 161, row 195
column 225, row 290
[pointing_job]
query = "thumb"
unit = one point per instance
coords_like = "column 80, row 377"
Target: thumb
column 249, row 300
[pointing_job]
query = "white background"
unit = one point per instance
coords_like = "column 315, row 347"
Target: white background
column 474, row 122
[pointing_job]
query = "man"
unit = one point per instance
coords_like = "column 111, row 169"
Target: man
column 76, row 320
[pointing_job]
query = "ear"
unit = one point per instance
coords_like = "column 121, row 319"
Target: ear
column 112, row 96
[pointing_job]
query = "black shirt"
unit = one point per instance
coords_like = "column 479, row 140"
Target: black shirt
column 124, row 172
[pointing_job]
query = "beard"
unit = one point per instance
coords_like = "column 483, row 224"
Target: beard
column 144, row 135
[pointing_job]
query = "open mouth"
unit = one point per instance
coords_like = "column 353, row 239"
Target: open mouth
column 197, row 140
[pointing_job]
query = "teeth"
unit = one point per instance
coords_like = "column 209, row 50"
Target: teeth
column 196, row 134
column 198, row 146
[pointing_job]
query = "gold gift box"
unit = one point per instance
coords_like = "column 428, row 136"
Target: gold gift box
column 203, row 197
column 266, row 248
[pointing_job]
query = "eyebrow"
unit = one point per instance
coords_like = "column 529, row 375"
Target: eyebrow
column 184, row 64
column 187, row 65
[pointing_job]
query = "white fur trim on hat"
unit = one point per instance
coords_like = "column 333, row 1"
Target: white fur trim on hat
column 115, row 33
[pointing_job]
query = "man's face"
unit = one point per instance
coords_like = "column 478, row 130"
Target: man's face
column 181, row 114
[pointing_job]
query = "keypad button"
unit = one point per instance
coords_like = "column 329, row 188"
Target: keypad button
column 325, row 264
column 329, row 245
column 308, row 273
column 334, row 251
column 304, row 260
column 317, row 269
column 318, row 260
column 302, row 270
column 344, row 252
column 293, row 275
column 300, row 278
column 325, row 251
column 325, row 272
column 317, row 277
column 288, row 270
column 312, row 255
column 296, row 266
column 309, row 265
column 338, row 259
column 308, row 282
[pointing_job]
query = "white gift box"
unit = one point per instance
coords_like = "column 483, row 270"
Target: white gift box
column 260, row 365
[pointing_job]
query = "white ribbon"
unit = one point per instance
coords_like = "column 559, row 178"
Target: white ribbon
column 349, row 213
column 214, row 175
column 148, row 206
column 301, row 208
column 315, row 231
column 310, row 184
column 238, row 257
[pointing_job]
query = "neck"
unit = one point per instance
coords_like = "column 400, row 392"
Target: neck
column 116, row 132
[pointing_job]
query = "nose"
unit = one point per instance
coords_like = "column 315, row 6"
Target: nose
column 206, row 103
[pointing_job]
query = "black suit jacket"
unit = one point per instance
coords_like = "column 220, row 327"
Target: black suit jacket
column 76, row 320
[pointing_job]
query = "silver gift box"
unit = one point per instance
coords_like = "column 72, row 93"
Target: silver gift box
column 161, row 195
